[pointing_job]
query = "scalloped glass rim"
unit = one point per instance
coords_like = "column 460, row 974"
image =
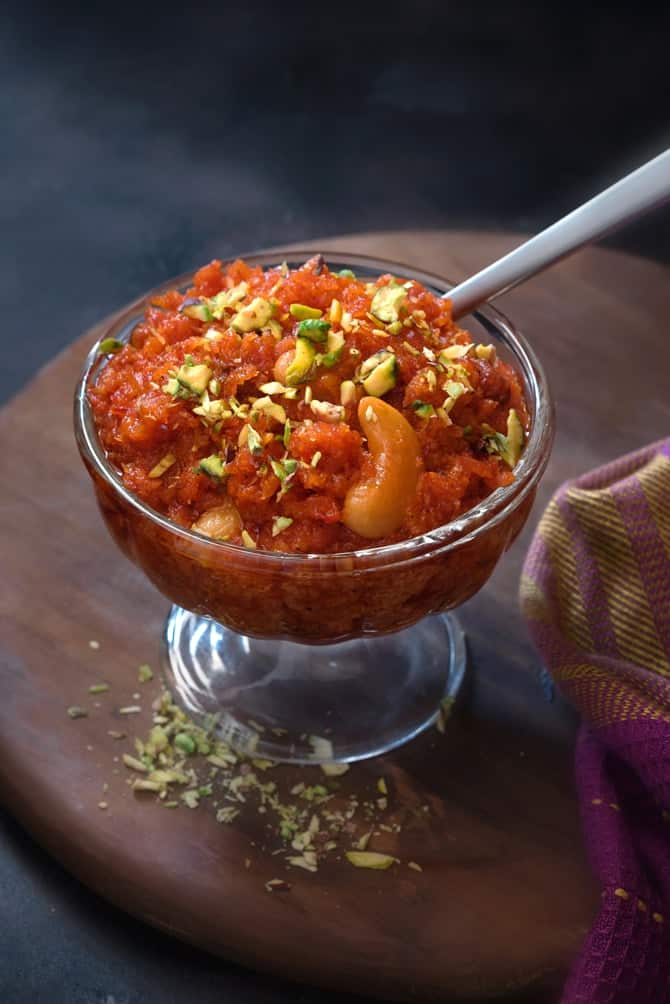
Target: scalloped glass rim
column 488, row 513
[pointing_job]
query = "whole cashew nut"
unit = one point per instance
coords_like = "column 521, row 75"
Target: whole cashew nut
column 377, row 503
column 222, row 522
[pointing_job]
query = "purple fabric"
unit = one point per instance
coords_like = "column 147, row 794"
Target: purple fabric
column 596, row 595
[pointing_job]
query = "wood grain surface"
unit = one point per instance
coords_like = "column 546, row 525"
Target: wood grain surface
column 505, row 896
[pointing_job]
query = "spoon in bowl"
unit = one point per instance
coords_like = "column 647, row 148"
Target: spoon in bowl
column 635, row 194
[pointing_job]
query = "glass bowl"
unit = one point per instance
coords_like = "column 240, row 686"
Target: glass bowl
column 313, row 657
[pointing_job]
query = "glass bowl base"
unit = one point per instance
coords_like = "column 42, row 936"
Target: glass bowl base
column 297, row 703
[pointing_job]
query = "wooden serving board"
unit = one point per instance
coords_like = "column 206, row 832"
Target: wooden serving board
column 505, row 895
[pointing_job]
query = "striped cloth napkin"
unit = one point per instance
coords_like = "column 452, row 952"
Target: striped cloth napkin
column 596, row 595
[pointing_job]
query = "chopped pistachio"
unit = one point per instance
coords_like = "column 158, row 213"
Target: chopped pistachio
column 213, row 466
column 116, row 735
column 248, row 540
column 163, row 465
column 334, row 769
column 134, row 763
column 145, row 673
column 273, row 387
column 185, row 743
column 410, row 348
column 109, row 345
column 227, row 814
column 389, row 302
column 76, row 712
column 254, row 316
column 309, row 394
column 347, row 392
column 316, row 457
column 306, row 861
column 304, row 313
column 269, row 408
column 346, row 273
column 133, row 709
column 194, row 378
column 142, row 784
column 335, row 347
column 279, row 524
column 335, row 312
column 487, row 353
column 456, row 351
column 327, row 412
column 191, row 798
column 423, row 409
column 277, row 885
column 370, row 859
column 98, row 688
column 314, row 330
column 363, row 841
column 254, row 442
column 382, row 787
column 414, row 866
column 286, row 438
column 372, row 362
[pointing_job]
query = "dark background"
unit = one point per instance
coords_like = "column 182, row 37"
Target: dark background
column 138, row 142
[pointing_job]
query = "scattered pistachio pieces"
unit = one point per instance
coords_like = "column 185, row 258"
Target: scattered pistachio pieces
column 334, row 769
column 98, row 688
column 370, row 859
column 303, row 313
column 109, row 345
column 76, row 712
column 444, row 713
column 132, row 709
column 414, row 866
column 116, row 735
column 191, row 798
column 227, row 814
column 163, row 465
column 248, row 540
column 382, row 787
column 487, row 353
column 145, row 673
column 185, row 743
column 279, row 524
column 134, row 763
column 277, row 885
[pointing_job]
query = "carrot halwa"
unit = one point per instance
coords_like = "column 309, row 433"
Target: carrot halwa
column 235, row 408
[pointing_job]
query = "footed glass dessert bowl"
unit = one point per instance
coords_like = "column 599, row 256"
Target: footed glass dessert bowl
column 318, row 657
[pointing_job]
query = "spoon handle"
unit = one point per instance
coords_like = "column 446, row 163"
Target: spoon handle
column 633, row 195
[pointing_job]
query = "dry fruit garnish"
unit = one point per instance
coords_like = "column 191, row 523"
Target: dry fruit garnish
column 182, row 764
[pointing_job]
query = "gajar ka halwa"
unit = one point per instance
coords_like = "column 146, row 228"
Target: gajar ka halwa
column 307, row 411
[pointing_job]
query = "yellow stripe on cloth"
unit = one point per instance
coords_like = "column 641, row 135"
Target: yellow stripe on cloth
column 606, row 699
column 655, row 480
column 631, row 618
column 573, row 617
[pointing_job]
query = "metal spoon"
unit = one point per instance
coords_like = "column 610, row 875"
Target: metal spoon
column 633, row 195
